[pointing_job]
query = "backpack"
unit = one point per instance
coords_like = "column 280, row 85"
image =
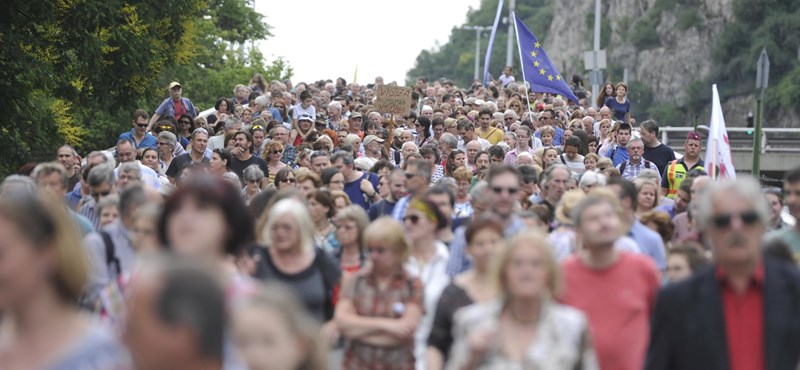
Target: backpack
column 623, row 164
column 111, row 256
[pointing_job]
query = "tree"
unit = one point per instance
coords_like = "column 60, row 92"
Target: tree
column 74, row 71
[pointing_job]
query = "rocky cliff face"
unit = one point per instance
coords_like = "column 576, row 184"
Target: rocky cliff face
column 678, row 54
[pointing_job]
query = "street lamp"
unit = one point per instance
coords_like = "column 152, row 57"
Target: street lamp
column 478, row 30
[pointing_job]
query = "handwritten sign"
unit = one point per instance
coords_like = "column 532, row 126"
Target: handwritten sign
column 393, row 99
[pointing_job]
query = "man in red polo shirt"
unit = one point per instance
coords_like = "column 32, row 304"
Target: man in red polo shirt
column 743, row 314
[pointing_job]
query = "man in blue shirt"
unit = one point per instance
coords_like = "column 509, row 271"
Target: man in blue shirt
column 619, row 153
column 649, row 242
column 361, row 192
column 138, row 134
column 548, row 118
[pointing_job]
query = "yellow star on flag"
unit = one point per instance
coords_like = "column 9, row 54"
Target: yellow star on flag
column 558, row 77
column 550, row 77
column 537, row 44
column 534, row 54
column 535, row 63
column 541, row 71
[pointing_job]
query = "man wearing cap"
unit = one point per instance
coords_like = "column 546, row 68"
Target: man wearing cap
column 355, row 122
column 676, row 170
column 175, row 106
column 138, row 134
column 373, row 146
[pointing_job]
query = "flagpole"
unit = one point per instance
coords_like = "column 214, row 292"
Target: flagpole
column 714, row 161
column 522, row 67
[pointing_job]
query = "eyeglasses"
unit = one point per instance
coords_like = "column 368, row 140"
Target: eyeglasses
column 164, row 144
column 514, row 105
column 509, row 119
column 413, row 219
column 288, row 180
column 724, row 220
column 500, row 190
column 277, row 152
column 101, row 194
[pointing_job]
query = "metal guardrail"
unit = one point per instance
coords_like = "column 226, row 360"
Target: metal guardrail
column 773, row 140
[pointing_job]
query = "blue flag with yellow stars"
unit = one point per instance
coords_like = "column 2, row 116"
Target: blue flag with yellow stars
column 537, row 68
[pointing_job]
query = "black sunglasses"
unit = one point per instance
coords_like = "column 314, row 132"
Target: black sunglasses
column 277, row 152
column 102, row 193
column 142, row 125
column 413, row 218
column 724, row 220
column 500, row 189
column 288, row 180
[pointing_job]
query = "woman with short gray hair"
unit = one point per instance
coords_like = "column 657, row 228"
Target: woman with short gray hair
column 252, row 177
column 167, row 145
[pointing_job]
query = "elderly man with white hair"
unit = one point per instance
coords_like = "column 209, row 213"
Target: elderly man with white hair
column 509, row 118
column 408, row 148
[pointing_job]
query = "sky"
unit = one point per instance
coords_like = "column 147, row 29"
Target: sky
column 380, row 37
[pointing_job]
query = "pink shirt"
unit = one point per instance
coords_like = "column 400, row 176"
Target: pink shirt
column 618, row 301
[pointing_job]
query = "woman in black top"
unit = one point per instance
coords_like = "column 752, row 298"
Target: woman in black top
column 484, row 238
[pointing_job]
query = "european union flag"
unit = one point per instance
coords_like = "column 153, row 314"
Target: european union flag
column 537, row 68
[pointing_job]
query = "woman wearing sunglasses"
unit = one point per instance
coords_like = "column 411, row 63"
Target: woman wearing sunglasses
column 273, row 154
column 428, row 261
column 285, row 179
column 380, row 307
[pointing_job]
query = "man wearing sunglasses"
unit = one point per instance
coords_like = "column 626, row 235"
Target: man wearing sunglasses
column 503, row 193
column 138, row 134
column 740, row 314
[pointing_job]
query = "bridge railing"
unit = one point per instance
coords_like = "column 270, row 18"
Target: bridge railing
column 773, row 140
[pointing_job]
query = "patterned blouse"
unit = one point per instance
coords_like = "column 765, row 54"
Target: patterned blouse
column 562, row 339
column 370, row 301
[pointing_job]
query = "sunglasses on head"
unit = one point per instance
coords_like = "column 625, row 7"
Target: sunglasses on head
column 257, row 127
column 724, row 220
column 163, row 128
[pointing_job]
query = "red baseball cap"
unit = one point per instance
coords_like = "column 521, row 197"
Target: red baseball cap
column 692, row 135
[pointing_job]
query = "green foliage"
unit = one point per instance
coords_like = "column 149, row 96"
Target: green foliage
column 667, row 115
column 688, row 18
column 456, row 58
column 74, row 71
column 644, row 35
column 770, row 24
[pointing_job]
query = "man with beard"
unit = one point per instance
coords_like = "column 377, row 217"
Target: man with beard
column 555, row 185
column 242, row 153
column 397, row 190
column 741, row 313
column 635, row 163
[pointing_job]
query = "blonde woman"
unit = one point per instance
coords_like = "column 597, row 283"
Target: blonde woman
column 43, row 272
column 290, row 259
column 647, row 196
column 525, row 328
column 381, row 306
column 273, row 154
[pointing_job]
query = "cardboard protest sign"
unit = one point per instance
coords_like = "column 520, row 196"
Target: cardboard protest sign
column 393, row 99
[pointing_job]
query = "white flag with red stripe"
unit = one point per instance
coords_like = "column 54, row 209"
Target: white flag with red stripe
column 719, row 162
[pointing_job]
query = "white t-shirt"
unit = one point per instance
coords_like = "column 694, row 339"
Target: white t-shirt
column 506, row 79
column 298, row 111
column 575, row 166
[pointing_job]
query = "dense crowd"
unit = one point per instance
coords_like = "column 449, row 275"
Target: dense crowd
column 296, row 227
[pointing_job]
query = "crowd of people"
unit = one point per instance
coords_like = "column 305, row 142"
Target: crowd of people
column 296, row 227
